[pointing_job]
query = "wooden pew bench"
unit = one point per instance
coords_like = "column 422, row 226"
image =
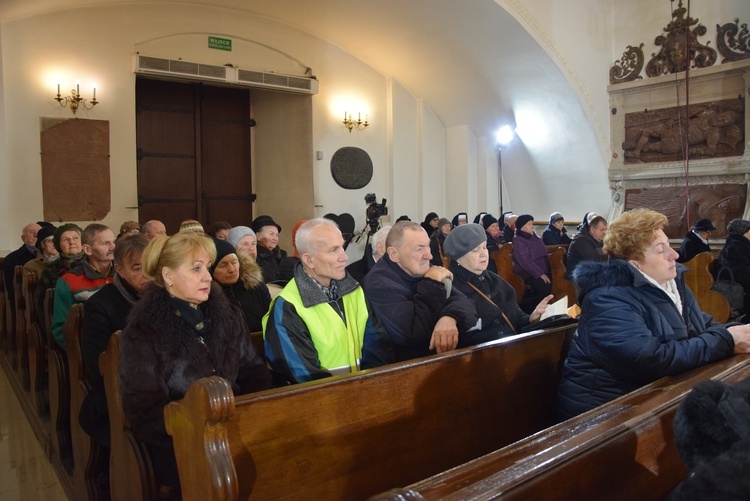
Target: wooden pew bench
column 349, row 437
column 504, row 263
column 622, row 450
column 700, row 280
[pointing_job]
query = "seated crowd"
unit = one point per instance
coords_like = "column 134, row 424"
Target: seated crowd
column 187, row 304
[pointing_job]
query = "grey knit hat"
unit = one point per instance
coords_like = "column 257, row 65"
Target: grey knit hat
column 462, row 239
column 554, row 217
column 238, row 233
column 738, row 226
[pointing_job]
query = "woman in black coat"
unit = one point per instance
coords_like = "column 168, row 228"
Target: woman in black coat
column 493, row 297
column 183, row 329
column 242, row 281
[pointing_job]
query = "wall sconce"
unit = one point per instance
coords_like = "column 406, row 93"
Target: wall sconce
column 355, row 124
column 74, row 99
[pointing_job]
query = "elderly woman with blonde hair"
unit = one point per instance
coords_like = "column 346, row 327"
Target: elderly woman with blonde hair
column 639, row 321
column 181, row 330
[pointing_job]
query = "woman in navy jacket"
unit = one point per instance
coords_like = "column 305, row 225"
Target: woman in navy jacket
column 639, row 321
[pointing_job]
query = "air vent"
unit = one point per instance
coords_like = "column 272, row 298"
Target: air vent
column 227, row 74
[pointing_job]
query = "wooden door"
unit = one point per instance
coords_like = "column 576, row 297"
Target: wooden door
column 193, row 153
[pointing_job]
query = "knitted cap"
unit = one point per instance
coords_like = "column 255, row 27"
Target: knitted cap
column 223, row 249
column 192, row 225
column 261, row 221
column 43, row 234
column 238, row 233
column 703, row 225
column 463, row 239
column 738, row 226
column 554, row 217
column 443, row 221
column 62, row 229
column 488, row 220
column 523, row 219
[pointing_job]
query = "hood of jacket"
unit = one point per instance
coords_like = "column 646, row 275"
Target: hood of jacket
column 590, row 275
column 251, row 274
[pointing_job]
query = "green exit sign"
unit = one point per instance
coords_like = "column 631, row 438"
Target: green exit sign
column 219, row 43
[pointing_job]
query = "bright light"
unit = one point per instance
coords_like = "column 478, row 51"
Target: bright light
column 505, row 135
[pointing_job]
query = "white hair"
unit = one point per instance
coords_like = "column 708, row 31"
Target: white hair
column 303, row 238
column 379, row 238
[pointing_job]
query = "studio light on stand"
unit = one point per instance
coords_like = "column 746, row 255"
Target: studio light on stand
column 504, row 137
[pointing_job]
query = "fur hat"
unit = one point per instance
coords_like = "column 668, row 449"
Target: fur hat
column 128, row 226
column 238, row 233
column 43, row 234
column 223, row 249
column 462, row 239
column 522, row 220
column 261, row 221
column 62, row 229
column 712, row 435
column 738, row 226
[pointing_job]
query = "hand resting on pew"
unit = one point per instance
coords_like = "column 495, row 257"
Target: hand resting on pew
column 741, row 336
column 445, row 335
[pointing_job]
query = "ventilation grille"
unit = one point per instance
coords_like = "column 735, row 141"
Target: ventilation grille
column 227, row 74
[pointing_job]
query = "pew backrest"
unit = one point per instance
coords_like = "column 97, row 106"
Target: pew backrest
column 350, row 436
column 561, row 286
column 621, row 450
column 700, row 280
column 131, row 475
column 3, row 307
column 504, row 262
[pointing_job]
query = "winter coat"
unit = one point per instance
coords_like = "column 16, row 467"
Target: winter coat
column 162, row 355
column 736, row 256
column 408, row 308
column 530, row 255
column 437, row 242
column 104, row 314
column 553, row 236
column 250, row 294
column 494, row 326
column 630, row 334
column 584, row 247
column 18, row 257
column 270, row 263
column 691, row 247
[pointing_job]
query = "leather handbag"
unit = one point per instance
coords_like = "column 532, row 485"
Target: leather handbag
column 730, row 289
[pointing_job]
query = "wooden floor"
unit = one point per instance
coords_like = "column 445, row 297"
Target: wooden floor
column 25, row 472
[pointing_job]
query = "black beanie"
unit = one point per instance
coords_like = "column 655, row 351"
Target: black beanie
column 223, row 249
column 522, row 220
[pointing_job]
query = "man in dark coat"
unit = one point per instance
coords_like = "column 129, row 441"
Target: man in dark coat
column 105, row 313
column 736, row 255
column 587, row 244
column 408, row 298
column 20, row 257
column 696, row 241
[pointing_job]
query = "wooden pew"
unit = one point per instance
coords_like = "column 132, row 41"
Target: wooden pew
column 131, row 476
column 700, row 280
column 59, row 392
column 349, row 437
column 622, row 450
column 22, row 345
column 3, row 309
column 37, row 348
column 89, row 457
column 504, row 262
column 561, row 286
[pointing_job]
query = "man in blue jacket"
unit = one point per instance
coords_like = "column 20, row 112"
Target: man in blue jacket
column 411, row 299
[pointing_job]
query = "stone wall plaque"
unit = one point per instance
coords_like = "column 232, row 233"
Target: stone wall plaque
column 351, row 167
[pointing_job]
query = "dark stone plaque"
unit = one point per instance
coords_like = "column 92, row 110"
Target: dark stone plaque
column 351, row 168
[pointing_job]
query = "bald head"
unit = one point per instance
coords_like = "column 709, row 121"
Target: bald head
column 154, row 228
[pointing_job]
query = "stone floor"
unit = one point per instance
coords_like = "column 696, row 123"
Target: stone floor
column 25, row 472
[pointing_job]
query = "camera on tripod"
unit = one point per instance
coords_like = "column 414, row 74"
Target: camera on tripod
column 374, row 212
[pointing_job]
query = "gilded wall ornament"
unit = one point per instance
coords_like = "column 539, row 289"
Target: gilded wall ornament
column 629, row 67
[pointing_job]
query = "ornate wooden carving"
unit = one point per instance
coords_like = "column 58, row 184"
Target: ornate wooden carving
column 672, row 57
column 629, row 67
column 720, row 203
column 711, row 130
column 732, row 40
